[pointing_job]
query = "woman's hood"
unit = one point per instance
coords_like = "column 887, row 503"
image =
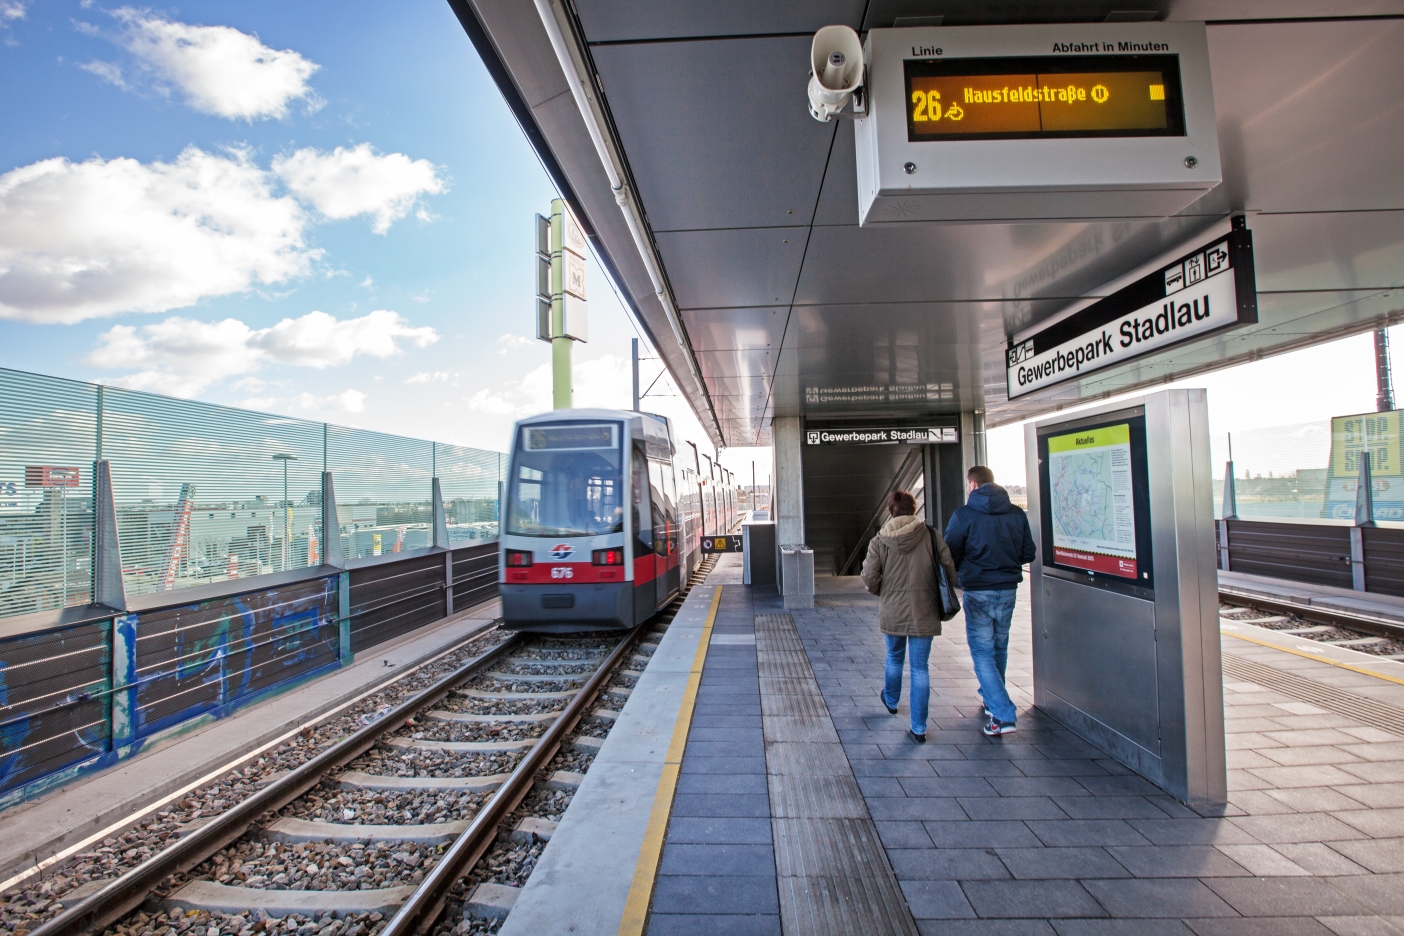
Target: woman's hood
column 903, row 533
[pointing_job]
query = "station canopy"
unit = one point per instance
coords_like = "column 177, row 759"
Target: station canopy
column 788, row 307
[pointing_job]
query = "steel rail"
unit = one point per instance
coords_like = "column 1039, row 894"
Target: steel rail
column 124, row 894
column 1355, row 620
column 417, row 915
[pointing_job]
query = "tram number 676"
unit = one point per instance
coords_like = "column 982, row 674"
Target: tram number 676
column 562, row 572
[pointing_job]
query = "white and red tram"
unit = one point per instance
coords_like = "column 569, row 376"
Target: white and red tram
column 601, row 520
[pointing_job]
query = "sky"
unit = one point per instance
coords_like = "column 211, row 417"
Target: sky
column 331, row 217
column 267, row 206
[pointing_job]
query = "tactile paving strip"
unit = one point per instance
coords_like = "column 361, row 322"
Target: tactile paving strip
column 834, row 877
column 1366, row 710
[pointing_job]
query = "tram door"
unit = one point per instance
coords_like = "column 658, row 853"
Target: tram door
column 645, row 560
column 665, row 538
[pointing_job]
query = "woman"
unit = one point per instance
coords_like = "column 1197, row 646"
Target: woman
column 900, row 572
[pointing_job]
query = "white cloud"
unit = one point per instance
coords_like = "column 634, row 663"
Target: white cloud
column 349, row 401
column 510, row 342
column 81, row 240
column 218, row 69
column 426, row 377
column 603, row 382
column 110, row 72
column 182, row 356
column 12, row 9
column 359, row 181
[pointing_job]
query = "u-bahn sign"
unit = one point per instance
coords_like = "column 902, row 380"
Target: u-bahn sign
column 721, row 544
column 1202, row 292
column 911, row 435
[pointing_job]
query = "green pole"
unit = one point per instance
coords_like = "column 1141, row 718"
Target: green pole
column 560, row 345
column 560, row 372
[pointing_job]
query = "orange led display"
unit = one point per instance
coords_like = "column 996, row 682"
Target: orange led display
column 988, row 103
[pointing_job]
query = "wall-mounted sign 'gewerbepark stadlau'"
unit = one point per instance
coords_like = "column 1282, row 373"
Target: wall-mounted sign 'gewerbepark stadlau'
column 1202, row 292
column 910, row 435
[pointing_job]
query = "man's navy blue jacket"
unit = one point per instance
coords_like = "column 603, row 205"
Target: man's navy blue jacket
column 990, row 541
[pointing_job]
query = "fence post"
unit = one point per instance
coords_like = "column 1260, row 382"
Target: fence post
column 334, row 556
column 108, row 587
column 1364, row 517
column 441, row 541
column 1230, row 513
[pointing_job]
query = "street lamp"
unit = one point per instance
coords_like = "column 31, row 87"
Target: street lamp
column 287, row 508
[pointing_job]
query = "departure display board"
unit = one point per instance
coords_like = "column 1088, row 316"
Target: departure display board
column 1043, row 97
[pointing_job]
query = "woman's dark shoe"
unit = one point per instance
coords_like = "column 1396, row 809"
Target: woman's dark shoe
column 890, row 709
column 918, row 738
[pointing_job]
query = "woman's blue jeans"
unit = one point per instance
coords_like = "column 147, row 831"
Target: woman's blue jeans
column 921, row 679
column 987, row 618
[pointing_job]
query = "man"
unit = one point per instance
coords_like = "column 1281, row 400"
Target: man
column 990, row 541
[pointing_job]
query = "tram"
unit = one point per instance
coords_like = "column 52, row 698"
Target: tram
column 602, row 519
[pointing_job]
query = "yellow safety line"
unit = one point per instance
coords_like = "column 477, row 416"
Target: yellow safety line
column 1319, row 659
column 641, row 890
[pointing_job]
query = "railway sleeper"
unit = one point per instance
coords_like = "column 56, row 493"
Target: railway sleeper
column 584, row 743
column 489, row 901
column 226, row 898
column 480, row 694
column 293, row 830
column 355, row 779
column 461, row 746
column 441, row 715
column 537, row 677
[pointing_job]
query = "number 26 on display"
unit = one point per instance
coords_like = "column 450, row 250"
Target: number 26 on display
column 927, row 107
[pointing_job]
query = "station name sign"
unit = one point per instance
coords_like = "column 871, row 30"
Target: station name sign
column 1202, row 292
column 919, row 435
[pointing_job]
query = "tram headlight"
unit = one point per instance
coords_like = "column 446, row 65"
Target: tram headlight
column 518, row 558
column 607, row 557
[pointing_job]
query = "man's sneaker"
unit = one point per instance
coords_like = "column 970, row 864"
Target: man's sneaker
column 996, row 727
column 918, row 738
column 983, row 707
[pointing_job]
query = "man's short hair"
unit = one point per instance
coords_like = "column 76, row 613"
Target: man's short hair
column 980, row 475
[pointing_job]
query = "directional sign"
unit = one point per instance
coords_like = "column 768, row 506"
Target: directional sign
column 910, row 435
column 1210, row 289
column 721, row 544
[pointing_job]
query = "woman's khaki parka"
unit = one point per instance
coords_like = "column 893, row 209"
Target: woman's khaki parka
column 899, row 571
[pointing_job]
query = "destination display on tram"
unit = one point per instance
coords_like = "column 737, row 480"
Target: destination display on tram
column 1037, row 97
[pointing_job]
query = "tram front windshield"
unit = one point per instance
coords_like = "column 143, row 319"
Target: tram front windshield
column 567, row 481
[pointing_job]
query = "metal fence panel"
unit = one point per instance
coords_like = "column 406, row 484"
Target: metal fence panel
column 47, row 444
column 1317, row 553
column 202, row 656
column 383, row 491
column 1384, row 560
column 471, row 481
column 391, row 599
column 474, row 575
column 200, row 490
column 53, row 701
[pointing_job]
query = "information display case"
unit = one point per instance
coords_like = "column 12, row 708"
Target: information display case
column 1125, row 589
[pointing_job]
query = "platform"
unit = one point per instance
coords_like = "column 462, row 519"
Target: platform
column 1035, row 832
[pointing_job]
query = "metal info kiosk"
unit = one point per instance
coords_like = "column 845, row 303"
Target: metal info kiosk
column 1125, row 590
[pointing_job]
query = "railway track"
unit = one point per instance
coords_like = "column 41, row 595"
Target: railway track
column 410, row 805
column 1356, row 631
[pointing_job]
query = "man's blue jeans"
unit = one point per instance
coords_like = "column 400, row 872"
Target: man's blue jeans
column 921, row 679
column 987, row 617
